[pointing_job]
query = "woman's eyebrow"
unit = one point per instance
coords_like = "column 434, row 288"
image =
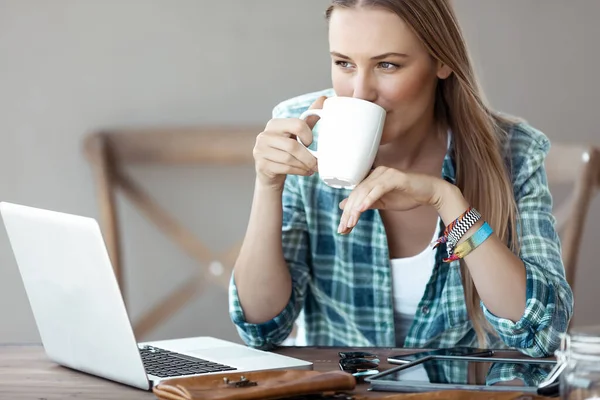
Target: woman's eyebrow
column 386, row 55
column 379, row 57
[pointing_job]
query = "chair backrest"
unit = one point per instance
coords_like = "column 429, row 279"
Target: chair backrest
column 579, row 166
column 109, row 152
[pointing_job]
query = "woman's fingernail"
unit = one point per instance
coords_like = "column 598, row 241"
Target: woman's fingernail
column 341, row 227
column 351, row 221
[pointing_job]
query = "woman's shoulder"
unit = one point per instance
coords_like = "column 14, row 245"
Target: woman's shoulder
column 525, row 148
column 294, row 106
column 523, row 138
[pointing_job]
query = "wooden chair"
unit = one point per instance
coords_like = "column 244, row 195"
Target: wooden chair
column 109, row 151
column 579, row 166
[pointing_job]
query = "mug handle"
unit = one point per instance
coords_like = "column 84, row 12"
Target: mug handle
column 306, row 114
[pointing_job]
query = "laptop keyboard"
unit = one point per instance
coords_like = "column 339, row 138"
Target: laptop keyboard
column 163, row 363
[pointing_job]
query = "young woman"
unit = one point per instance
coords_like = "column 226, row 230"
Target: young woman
column 359, row 263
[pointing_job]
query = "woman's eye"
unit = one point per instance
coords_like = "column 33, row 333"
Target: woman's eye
column 343, row 64
column 388, row 65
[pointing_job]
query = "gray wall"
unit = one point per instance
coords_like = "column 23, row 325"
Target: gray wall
column 69, row 67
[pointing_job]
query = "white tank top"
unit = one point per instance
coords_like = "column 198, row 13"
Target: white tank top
column 409, row 278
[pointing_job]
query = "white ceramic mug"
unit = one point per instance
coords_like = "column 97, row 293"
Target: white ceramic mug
column 349, row 135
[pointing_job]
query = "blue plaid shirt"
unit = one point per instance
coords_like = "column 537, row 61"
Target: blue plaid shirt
column 343, row 282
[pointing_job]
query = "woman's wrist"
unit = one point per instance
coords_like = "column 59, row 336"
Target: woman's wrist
column 268, row 189
column 452, row 204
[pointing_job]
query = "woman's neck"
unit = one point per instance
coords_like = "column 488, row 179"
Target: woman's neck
column 416, row 150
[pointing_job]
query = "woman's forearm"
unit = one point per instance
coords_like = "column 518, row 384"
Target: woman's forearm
column 499, row 275
column 261, row 275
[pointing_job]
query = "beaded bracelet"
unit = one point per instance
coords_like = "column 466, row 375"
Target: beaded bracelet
column 474, row 241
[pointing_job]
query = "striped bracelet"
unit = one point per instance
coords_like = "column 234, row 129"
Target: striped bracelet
column 469, row 219
column 444, row 237
column 457, row 229
column 474, row 241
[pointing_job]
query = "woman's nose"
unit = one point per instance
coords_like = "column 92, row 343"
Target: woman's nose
column 364, row 88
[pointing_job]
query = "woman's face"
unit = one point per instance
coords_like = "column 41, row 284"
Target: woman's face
column 376, row 57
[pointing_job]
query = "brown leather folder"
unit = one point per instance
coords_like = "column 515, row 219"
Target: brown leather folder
column 300, row 385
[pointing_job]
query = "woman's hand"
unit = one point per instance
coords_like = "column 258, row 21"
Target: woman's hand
column 389, row 189
column 278, row 153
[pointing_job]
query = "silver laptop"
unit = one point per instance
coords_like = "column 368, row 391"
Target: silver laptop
column 81, row 316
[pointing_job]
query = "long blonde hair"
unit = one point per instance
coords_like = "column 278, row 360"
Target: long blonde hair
column 479, row 134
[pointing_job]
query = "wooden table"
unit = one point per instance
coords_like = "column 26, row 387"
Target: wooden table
column 26, row 373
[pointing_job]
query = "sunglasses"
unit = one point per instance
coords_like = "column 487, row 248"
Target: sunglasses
column 359, row 363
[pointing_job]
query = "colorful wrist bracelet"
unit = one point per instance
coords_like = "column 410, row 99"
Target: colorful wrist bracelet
column 457, row 228
column 474, row 241
column 444, row 237
column 462, row 227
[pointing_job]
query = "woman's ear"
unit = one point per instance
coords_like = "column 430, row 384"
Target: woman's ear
column 443, row 71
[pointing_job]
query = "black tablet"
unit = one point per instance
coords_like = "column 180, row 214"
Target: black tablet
column 452, row 352
column 467, row 373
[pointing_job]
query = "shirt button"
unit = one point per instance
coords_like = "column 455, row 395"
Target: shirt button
column 425, row 310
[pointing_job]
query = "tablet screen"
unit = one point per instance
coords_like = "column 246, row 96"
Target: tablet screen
column 484, row 372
